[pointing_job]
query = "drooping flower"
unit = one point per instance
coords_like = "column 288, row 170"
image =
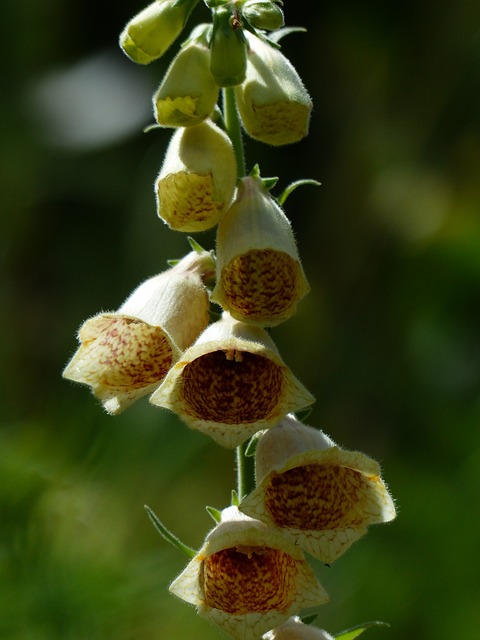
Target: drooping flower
column 272, row 100
column 125, row 355
column 197, row 179
column 260, row 279
column 319, row 494
column 231, row 383
column 248, row 578
column 188, row 93
column 150, row 33
column 295, row 629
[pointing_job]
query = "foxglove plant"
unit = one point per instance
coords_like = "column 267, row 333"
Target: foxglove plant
column 226, row 378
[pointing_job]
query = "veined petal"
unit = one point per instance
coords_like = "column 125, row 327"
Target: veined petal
column 323, row 497
column 231, row 383
column 248, row 578
column 125, row 355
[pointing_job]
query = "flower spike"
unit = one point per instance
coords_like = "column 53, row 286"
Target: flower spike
column 125, row 355
column 322, row 496
column 231, row 383
column 248, row 578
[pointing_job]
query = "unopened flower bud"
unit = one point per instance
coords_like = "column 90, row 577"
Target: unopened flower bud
column 263, row 14
column 188, row 92
column 125, row 355
column 231, row 383
column 150, row 33
column 196, row 182
column 320, row 495
column 272, row 101
column 248, row 578
column 228, row 54
column 260, row 278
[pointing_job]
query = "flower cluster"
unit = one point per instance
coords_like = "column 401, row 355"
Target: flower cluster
column 226, row 378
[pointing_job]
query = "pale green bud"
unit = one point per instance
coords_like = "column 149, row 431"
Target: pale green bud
column 228, row 54
column 188, row 93
column 196, row 182
column 149, row 34
column 263, row 14
column 272, row 101
column 260, row 279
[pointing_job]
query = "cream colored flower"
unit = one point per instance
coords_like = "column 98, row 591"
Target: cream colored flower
column 248, row 578
column 231, row 383
column 125, row 355
column 272, row 101
column 196, row 182
column 260, row 279
column 188, row 93
column 319, row 494
column 295, row 629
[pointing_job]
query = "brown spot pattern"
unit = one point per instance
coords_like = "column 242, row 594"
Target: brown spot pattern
column 232, row 390
column 131, row 354
column 261, row 283
column 255, row 582
column 187, row 198
column 316, row 497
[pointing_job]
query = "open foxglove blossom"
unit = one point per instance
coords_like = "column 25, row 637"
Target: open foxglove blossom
column 188, row 93
column 231, row 383
column 150, row 33
column 272, row 100
column 295, row 629
column 125, row 355
column 248, row 578
column 260, row 279
column 319, row 494
column 197, row 179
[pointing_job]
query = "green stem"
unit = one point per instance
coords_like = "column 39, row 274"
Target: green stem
column 168, row 535
column 241, row 472
column 234, row 128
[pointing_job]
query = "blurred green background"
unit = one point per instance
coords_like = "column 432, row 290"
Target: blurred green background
column 388, row 340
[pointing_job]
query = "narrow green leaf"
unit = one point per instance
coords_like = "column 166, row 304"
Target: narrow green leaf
column 172, row 263
column 276, row 36
column 235, row 501
column 354, row 632
column 216, row 514
column 168, row 535
column 269, row 183
column 291, row 187
column 252, row 445
column 151, row 127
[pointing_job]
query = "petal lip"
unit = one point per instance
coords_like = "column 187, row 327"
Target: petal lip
column 239, row 534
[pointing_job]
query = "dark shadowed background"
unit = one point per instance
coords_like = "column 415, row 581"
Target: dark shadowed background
column 388, row 340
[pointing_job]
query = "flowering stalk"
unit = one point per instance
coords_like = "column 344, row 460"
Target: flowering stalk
column 226, row 378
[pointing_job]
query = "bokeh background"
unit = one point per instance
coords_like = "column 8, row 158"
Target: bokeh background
column 388, row 340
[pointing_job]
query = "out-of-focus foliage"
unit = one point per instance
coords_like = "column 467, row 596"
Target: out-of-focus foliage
column 388, row 340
